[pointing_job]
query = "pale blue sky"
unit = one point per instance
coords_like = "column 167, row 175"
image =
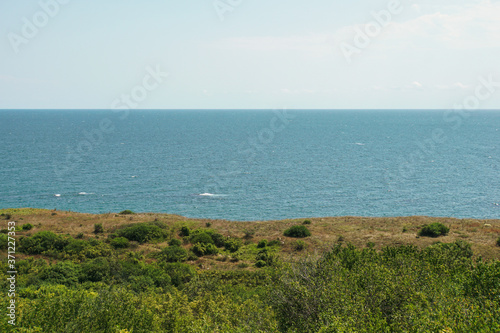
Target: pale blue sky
column 264, row 54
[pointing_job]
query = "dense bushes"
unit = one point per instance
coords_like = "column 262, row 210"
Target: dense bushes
column 120, row 243
column 174, row 253
column 434, row 230
column 400, row 289
column 297, row 231
column 27, row 226
column 143, row 232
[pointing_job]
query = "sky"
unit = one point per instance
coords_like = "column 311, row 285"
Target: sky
column 249, row 54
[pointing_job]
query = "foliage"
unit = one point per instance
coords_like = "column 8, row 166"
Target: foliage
column 120, row 243
column 299, row 245
column 143, row 232
column 98, row 228
column 233, row 244
column 126, row 212
column 4, row 241
column 262, row 243
column 201, row 237
column 260, row 263
column 297, row 231
column 27, row 226
column 498, row 241
column 174, row 242
column 202, row 249
column 434, row 230
column 174, row 253
column 185, row 231
column 306, row 222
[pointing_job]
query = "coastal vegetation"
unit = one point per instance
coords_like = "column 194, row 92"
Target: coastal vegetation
column 166, row 273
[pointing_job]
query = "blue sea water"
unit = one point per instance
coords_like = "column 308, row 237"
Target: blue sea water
column 254, row 164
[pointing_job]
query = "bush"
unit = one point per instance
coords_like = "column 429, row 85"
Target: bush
column 260, row 263
column 98, row 229
column 262, row 243
column 201, row 237
column 232, row 244
column 174, row 253
column 79, row 235
column 42, row 241
column 4, row 241
column 120, row 243
column 174, row 242
column 434, row 230
column 274, row 242
column 27, row 226
column 299, row 245
column 307, row 222
column 208, row 224
column 185, row 231
column 127, row 212
column 179, row 273
column 498, row 241
column 7, row 216
column 297, row 231
column 201, row 249
column 142, row 232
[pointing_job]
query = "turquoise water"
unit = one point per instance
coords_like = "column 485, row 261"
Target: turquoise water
column 253, row 165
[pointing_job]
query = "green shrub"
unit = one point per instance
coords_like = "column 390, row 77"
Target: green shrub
column 297, row 231
column 27, row 226
column 299, row 245
column 174, row 253
column 233, row 244
column 142, row 232
column 7, row 216
column 434, row 230
column 260, row 263
column 120, row 243
column 201, row 237
column 179, row 273
column 42, row 241
column 202, row 249
column 307, row 222
column 4, row 241
column 174, row 242
column 208, row 224
column 65, row 272
column 98, row 229
column 185, row 231
column 370, row 245
column 127, row 212
column 498, row 241
column 219, row 240
column 79, row 235
column 262, row 243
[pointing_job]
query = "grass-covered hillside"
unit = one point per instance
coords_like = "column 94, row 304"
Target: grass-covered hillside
column 128, row 272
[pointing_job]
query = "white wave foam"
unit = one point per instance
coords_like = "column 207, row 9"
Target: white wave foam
column 85, row 193
column 207, row 194
column 57, row 195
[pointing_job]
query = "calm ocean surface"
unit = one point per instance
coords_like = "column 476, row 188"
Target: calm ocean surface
column 253, row 165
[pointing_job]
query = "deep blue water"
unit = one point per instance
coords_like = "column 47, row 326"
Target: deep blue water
column 253, row 165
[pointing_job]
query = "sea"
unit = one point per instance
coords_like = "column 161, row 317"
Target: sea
column 247, row 165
